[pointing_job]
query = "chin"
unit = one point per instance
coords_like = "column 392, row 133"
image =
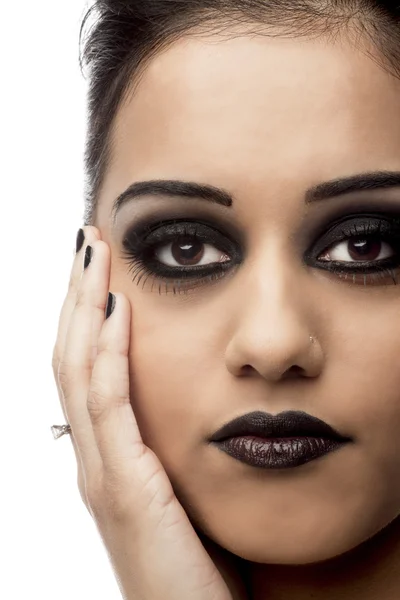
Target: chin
column 300, row 547
column 290, row 555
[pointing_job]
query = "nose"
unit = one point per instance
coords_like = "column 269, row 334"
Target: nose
column 274, row 328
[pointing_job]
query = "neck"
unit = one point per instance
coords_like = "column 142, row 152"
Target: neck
column 370, row 571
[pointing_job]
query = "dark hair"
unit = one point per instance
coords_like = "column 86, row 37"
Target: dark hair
column 126, row 34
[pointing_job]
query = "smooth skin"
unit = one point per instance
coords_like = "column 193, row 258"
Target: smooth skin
column 147, row 534
column 266, row 119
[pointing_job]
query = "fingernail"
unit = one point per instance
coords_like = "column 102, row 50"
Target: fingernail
column 88, row 257
column 110, row 304
column 80, row 238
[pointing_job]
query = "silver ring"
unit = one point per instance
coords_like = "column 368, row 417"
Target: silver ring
column 60, row 430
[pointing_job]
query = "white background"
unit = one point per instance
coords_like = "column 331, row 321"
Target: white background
column 49, row 545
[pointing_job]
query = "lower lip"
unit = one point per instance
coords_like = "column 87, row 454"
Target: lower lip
column 277, row 453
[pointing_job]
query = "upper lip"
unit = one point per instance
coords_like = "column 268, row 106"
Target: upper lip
column 287, row 424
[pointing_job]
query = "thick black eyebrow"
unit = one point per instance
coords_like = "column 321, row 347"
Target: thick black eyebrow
column 355, row 183
column 209, row 193
column 173, row 187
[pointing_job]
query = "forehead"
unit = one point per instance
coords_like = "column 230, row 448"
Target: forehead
column 257, row 107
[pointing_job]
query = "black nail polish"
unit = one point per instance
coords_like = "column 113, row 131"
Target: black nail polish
column 88, row 256
column 80, row 238
column 110, row 304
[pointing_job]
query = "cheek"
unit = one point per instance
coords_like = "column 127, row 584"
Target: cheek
column 361, row 382
column 170, row 361
column 363, row 357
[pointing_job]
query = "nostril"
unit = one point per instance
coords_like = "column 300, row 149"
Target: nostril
column 294, row 371
column 246, row 370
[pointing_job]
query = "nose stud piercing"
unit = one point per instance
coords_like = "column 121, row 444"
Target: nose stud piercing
column 312, row 340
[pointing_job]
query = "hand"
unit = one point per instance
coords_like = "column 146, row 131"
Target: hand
column 153, row 548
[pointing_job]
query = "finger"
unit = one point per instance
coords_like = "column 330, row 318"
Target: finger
column 91, row 235
column 114, row 423
column 132, row 473
column 80, row 349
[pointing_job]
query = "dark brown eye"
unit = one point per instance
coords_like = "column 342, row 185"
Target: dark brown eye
column 361, row 249
column 189, row 251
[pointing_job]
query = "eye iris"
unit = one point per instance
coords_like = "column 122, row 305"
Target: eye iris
column 187, row 251
column 364, row 249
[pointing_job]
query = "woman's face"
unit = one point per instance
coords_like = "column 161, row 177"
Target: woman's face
column 266, row 120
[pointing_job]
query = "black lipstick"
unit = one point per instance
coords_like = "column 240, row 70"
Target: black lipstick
column 284, row 441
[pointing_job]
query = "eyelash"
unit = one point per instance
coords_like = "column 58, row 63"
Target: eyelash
column 366, row 228
column 140, row 244
column 142, row 241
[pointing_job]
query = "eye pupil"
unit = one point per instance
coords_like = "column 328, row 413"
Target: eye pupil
column 364, row 249
column 187, row 251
